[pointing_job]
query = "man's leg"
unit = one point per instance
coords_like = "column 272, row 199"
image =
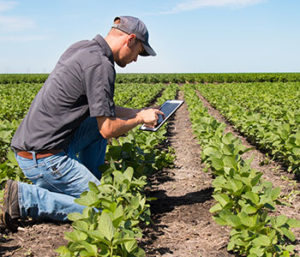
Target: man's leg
column 40, row 203
column 58, row 180
column 89, row 146
column 61, row 178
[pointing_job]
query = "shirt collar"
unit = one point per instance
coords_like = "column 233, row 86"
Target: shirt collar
column 103, row 44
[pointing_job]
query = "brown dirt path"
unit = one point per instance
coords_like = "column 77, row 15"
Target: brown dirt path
column 34, row 240
column 183, row 225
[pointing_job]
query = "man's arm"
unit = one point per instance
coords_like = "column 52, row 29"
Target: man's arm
column 114, row 127
column 126, row 113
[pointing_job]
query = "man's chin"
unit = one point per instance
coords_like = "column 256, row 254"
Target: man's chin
column 122, row 65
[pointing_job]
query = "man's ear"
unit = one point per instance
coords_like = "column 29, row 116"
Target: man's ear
column 131, row 40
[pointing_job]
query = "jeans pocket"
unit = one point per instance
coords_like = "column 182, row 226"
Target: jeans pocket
column 58, row 166
column 26, row 164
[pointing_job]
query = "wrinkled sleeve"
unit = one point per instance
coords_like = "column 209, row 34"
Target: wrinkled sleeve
column 99, row 82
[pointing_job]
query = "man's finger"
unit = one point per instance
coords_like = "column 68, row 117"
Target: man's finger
column 161, row 113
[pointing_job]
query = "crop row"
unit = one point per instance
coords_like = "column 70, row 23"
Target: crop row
column 244, row 200
column 169, row 78
column 109, row 225
column 267, row 114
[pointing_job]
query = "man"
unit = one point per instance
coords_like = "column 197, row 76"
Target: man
column 62, row 140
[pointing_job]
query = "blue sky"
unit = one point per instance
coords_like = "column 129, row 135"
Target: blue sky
column 188, row 35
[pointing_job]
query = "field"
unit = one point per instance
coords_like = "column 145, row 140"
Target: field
column 220, row 179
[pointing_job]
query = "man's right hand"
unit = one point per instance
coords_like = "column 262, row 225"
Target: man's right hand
column 113, row 127
column 149, row 117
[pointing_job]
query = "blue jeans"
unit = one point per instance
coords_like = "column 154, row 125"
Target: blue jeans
column 60, row 178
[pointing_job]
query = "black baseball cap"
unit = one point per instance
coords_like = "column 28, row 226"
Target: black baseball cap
column 133, row 25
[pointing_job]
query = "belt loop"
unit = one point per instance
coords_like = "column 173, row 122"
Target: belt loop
column 34, row 156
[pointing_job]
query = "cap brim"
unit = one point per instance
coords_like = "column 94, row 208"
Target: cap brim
column 147, row 50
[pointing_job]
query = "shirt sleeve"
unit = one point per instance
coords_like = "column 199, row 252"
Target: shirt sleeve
column 99, row 84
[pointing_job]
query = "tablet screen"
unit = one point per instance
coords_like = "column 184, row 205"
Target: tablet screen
column 168, row 108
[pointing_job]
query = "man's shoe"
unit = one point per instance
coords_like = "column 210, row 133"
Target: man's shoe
column 10, row 209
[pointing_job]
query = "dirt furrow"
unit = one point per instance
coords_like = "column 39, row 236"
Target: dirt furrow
column 183, row 225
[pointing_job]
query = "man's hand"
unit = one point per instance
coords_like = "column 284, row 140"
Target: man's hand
column 149, row 116
column 113, row 127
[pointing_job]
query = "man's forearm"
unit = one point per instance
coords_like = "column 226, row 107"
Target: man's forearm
column 126, row 113
column 115, row 127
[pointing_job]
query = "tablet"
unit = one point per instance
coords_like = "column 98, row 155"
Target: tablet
column 168, row 108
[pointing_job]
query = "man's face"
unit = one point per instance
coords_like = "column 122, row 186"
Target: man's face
column 129, row 52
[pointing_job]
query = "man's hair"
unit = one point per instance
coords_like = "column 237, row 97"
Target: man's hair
column 115, row 31
column 117, row 20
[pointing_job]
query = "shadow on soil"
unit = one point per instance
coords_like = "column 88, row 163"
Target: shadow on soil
column 4, row 249
column 166, row 203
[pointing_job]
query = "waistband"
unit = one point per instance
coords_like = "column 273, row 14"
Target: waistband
column 38, row 155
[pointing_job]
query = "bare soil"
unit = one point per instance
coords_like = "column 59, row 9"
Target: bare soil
column 182, row 225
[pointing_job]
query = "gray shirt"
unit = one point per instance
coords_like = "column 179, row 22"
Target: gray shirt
column 81, row 85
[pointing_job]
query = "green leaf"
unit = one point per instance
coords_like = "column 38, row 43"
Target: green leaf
column 90, row 199
column 76, row 236
column 128, row 174
column 229, row 161
column 250, row 209
column 135, row 202
column 275, row 193
column 228, row 138
column 235, row 221
column 80, row 225
column 131, row 245
column 281, row 220
column 118, row 216
column 139, row 252
column 90, row 248
column 63, row 251
column 256, row 252
column 93, row 187
column 235, row 185
column 216, row 163
column 217, row 207
column 123, row 240
column 227, row 149
column 230, row 246
column 261, row 240
column 223, row 199
column 246, row 219
column 97, row 234
column 209, row 151
column 87, row 212
column 253, row 197
column 289, row 234
column 256, row 179
column 11, row 157
column 290, row 248
column 220, row 221
column 118, row 177
column 106, row 226
column 75, row 216
column 293, row 223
